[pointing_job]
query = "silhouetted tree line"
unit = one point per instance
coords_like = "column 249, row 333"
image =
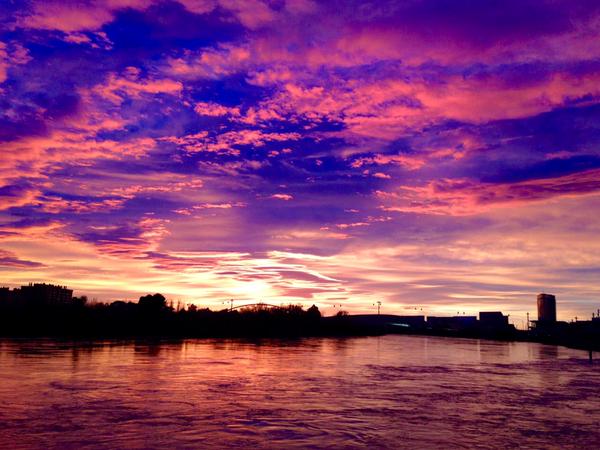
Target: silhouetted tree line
column 152, row 316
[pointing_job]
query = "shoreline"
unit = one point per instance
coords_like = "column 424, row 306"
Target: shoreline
column 166, row 338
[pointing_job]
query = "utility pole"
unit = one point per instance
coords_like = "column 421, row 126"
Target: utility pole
column 230, row 304
column 378, row 307
column 528, row 321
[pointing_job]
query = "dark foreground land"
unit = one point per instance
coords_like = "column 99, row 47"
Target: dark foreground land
column 151, row 317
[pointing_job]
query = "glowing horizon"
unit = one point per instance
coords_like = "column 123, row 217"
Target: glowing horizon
column 425, row 153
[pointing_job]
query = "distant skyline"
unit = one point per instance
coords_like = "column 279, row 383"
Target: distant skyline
column 431, row 154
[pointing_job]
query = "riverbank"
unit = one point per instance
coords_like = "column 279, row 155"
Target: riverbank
column 133, row 322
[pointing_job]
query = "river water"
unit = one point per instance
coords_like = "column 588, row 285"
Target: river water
column 377, row 392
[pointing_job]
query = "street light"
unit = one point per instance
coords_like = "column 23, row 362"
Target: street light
column 378, row 306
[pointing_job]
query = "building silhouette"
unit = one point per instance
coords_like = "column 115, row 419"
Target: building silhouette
column 45, row 294
column 456, row 323
column 493, row 320
column 546, row 308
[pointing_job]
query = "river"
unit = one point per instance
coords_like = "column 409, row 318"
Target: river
column 377, row 392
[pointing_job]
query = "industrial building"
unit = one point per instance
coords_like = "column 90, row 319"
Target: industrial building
column 451, row 323
column 492, row 320
column 546, row 308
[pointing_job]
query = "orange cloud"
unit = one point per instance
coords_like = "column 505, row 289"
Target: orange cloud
column 14, row 198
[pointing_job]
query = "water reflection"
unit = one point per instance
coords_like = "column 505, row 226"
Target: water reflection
column 547, row 351
column 390, row 391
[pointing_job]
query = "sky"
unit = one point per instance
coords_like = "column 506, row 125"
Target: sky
column 439, row 156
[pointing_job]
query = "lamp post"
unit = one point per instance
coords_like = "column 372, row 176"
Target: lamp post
column 230, row 304
column 378, row 307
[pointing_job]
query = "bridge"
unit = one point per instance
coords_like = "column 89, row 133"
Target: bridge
column 251, row 305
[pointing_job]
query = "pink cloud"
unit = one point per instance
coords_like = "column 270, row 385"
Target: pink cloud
column 199, row 6
column 31, row 156
column 394, row 36
column 465, row 197
column 130, row 185
column 71, row 140
column 301, row 6
column 55, row 204
column 385, row 108
column 212, row 63
column 382, row 175
column 388, row 108
column 66, row 17
column 3, row 62
column 410, row 162
column 78, row 38
column 215, row 110
column 272, row 75
column 484, row 100
column 9, row 56
column 251, row 13
column 97, row 39
column 10, row 231
column 116, row 88
column 220, row 205
column 210, row 206
column 9, row 259
column 15, row 198
column 225, row 142
column 382, row 108
column 70, row 16
column 344, row 226
column 285, row 197
column 232, row 168
column 303, row 236
column 149, row 234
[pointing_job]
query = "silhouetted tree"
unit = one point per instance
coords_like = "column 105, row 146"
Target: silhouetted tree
column 156, row 302
column 80, row 301
column 313, row 312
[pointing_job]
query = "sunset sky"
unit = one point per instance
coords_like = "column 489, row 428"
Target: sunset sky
column 434, row 154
